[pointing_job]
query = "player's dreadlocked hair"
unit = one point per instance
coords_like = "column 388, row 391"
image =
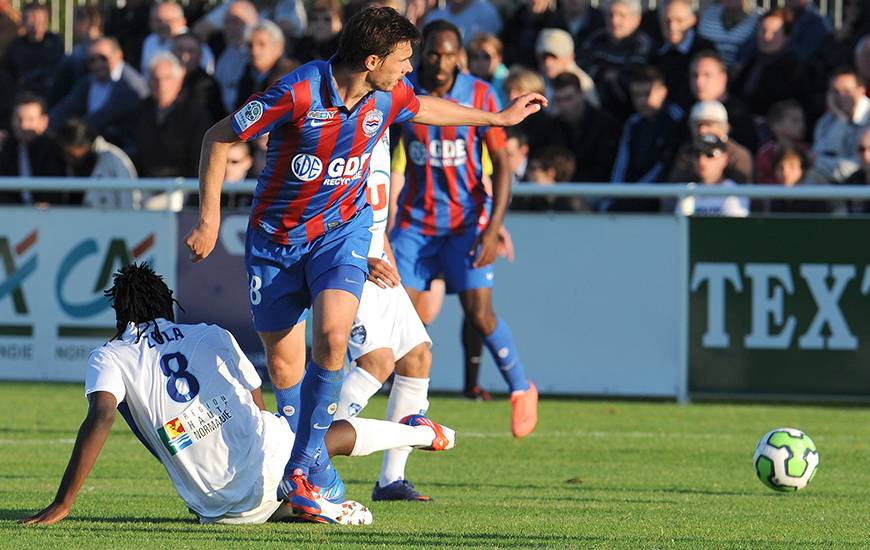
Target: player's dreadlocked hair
column 139, row 296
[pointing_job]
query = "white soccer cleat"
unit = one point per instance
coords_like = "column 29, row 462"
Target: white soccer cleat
column 349, row 512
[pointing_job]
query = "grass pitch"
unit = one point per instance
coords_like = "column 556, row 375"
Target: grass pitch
column 594, row 475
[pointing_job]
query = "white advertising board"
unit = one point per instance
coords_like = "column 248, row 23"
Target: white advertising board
column 54, row 266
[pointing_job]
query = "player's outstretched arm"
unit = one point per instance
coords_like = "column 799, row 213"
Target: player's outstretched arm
column 89, row 442
column 441, row 112
column 212, row 166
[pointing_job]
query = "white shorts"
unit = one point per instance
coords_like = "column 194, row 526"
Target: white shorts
column 386, row 319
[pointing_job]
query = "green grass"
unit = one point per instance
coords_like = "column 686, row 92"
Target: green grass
column 594, row 475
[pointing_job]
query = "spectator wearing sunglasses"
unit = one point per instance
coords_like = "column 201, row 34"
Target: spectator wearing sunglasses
column 485, row 56
column 710, row 159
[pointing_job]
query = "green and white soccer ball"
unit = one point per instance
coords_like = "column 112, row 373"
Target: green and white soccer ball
column 786, row 459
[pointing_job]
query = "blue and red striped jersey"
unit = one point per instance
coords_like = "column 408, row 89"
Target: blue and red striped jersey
column 444, row 191
column 318, row 153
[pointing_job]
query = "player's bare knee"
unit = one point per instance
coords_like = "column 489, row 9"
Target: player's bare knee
column 329, row 349
column 285, row 371
column 417, row 363
column 379, row 363
column 483, row 319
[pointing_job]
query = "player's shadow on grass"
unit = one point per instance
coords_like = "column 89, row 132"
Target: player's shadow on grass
column 430, row 540
column 15, row 514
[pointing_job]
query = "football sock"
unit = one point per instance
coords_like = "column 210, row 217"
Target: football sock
column 378, row 435
column 503, row 349
column 359, row 386
column 288, row 404
column 321, row 473
column 472, row 345
column 319, row 401
column 407, row 396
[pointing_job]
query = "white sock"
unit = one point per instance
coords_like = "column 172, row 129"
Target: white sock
column 379, row 435
column 358, row 387
column 408, row 396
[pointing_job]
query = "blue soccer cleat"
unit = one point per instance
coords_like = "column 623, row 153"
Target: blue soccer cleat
column 334, row 490
column 401, row 489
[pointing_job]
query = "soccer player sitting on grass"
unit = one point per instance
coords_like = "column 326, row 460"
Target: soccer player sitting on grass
column 193, row 399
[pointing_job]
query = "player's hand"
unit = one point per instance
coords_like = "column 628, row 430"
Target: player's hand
column 521, row 107
column 201, row 241
column 383, row 273
column 505, row 244
column 485, row 247
column 48, row 516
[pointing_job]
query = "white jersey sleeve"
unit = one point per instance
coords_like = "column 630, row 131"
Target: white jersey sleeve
column 378, row 193
column 104, row 374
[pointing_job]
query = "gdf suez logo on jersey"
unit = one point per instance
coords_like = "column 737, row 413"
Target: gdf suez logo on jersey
column 441, row 152
column 340, row 171
column 306, row 167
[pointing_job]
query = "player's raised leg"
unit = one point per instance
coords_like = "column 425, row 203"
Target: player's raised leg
column 477, row 304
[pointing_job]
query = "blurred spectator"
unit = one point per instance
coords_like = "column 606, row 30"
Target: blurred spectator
column 320, row 40
column 862, row 175
column 470, row 16
column 709, row 82
column 288, row 14
column 681, row 45
column 775, row 73
column 710, row 159
column 555, row 52
column 549, row 166
column 199, row 86
column 786, row 123
column 522, row 81
column 517, row 146
column 167, row 21
column 790, row 165
column 109, row 98
column 862, row 60
column 10, row 24
column 171, row 127
column 610, row 54
column 267, row 63
column 241, row 16
column 580, row 19
column 485, row 62
column 588, row 132
column 90, row 156
column 240, row 162
column 649, row 139
column 33, row 57
column 522, row 27
column 728, row 24
column 810, row 30
column 32, row 150
column 7, row 97
column 710, row 117
column 128, row 23
column 835, row 140
column 87, row 27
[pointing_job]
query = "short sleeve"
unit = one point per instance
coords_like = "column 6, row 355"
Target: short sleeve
column 405, row 102
column 104, row 374
column 494, row 136
column 264, row 111
column 247, row 374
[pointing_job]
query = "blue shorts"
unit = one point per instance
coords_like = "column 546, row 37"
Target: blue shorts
column 284, row 280
column 420, row 259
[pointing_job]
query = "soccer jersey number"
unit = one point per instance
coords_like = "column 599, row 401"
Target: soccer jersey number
column 182, row 386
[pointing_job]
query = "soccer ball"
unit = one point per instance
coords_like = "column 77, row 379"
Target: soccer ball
column 786, row 459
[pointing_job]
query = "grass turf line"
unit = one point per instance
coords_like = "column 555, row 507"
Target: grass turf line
column 594, row 475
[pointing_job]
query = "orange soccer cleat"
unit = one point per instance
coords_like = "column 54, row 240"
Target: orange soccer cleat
column 525, row 411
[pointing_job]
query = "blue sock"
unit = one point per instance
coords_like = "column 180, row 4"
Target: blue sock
column 324, row 475
column 504, row 351
column 320, row 391
column 288, row 404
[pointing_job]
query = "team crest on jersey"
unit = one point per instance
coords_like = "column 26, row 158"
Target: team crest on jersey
column 306, row 167
column 249, row 114
column 372, row 122
column 358, row 335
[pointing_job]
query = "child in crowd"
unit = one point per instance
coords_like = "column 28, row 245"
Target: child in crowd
column 787, row 124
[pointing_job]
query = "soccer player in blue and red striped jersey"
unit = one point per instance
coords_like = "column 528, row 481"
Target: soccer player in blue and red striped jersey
column 447, row 224
column 308, row 234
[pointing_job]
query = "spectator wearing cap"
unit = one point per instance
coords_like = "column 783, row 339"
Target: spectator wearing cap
column 90, row 156
column 241, row 16
column 33, row 57
column 708, row 80
column 320, row 40
column 31, row 151
column 469, row 16
column 728, row 24
column 555, row 51
column 649, row 138
column 267, row 62
column 710, row 161
column 835, row 139
column 681, row 44
column 485, row 62
column 199, row 86
column 787, row 123
column 588, row 132
column 87, row 27
column 710, row 117
column 109, row 98
column 610, row 54
column 171, row 127
column 775, row 73
column 167, row 20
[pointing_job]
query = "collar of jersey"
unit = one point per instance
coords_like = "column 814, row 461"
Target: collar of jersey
column 132, row 332
column 334, row 98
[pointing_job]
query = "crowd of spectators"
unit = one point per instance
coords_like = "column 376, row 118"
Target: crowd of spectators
column 729, row 95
